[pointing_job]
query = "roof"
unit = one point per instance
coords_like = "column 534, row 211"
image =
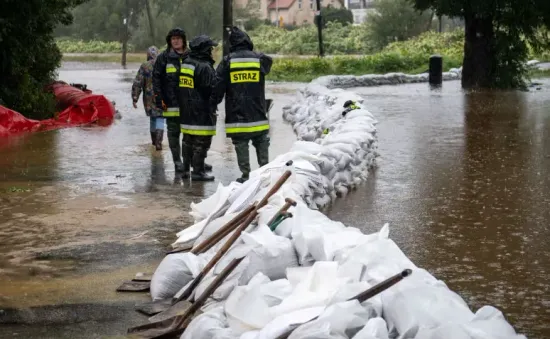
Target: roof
column 284, row 4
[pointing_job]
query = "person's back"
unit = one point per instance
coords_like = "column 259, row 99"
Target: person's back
column 242, row 81
column 197, row 116
column 143, row 84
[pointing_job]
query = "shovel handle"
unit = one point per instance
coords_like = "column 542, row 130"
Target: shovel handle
column 288, row 202
column 382, row 286
column 361, row 297
column 233, row 237
column 222, row 232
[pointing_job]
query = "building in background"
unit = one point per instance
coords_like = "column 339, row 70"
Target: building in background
column 288, row 12
column 360, row 9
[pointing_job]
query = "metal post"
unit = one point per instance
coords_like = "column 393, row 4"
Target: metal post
column 227, row 24
column 320, row 29
column 126, row 34
column 277, row 13
column 436, row 70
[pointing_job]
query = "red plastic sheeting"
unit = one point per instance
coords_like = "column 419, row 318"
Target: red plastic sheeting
column 77, row 108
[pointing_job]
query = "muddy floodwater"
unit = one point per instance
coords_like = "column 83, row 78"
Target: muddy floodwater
column 462, row 180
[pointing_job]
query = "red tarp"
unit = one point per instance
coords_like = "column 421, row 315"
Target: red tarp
column 76, row 107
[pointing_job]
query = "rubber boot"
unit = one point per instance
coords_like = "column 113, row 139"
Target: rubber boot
column 199, row 173
column 207, row 167
column 153, row 135
column 159, row 134
column 187, row 155
column 242, row 179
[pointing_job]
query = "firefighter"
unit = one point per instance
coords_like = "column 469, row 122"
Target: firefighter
column 241, row 78
column 197, row 114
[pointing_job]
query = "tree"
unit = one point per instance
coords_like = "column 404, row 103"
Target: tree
column 396, row 20
column 496, row 37
column 333, row 14
column 29, row 56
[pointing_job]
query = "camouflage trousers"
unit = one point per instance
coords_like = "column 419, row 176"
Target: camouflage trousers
column 173, row 133
column 195, row 149
column 260, row 143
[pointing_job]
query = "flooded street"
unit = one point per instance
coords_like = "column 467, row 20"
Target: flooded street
column 83, row 209
column 463, row 181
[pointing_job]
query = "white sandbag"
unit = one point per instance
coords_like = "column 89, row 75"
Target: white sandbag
column 488, row 323
column 204, row 208
column 209, row 325
column 284, row 323
column 174, row 272
column 269, row 254
column 374, row 329
column 344, row 320
column 213, row 227
column 307, row 147
column 424, row 306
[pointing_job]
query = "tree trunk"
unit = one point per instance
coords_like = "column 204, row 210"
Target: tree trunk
column 479, row 49
column 150, row 19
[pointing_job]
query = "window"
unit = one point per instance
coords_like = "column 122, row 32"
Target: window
column 311, row 4
column 300, row 4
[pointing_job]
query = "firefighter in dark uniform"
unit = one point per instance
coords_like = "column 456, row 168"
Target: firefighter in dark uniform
column 197, row 80
column 165, row 86
column 241, row 78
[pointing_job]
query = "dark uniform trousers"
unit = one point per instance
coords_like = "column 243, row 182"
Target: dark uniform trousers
column 195, row 149
column 173, row 133
column 260, row 143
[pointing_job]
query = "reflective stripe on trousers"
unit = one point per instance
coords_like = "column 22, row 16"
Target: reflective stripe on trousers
column 198, row 130
column 171, row 112
column 247, row 127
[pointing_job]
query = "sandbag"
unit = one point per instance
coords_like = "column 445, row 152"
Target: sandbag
column 488, row 323
column 209, row 325
column 374, row 329
column 343, row 319
column 173, row 273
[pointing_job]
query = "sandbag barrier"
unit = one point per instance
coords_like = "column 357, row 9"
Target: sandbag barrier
column 301, row 278
column 368, row 80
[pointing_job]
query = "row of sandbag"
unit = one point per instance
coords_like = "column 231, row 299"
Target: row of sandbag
column 346, row 146
column 418, row 307
column 368, row 80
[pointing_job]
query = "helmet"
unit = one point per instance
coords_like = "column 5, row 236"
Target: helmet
column 176, row 32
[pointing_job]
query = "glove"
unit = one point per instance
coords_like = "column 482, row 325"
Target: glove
column 164, row 107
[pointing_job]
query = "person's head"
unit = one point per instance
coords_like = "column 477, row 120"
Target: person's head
column 152, row 53
column 203, row 45
column 239, row 40
column 176, row 39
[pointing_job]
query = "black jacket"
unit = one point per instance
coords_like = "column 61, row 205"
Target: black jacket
column 166, row 80
column 241, row 78
column 196, row 84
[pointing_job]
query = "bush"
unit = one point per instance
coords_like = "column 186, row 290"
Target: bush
column 67, row 45
column 295, row 69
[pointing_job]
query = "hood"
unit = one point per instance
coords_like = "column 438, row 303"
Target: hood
column 239, row 40
column 201, row 47
column 152, row 53
column 176, row 32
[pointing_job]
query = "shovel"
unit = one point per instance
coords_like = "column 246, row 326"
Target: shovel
column 363, row 296
column 234, row 237
column 167, row 310
column 154, row 307
column 174, row 326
